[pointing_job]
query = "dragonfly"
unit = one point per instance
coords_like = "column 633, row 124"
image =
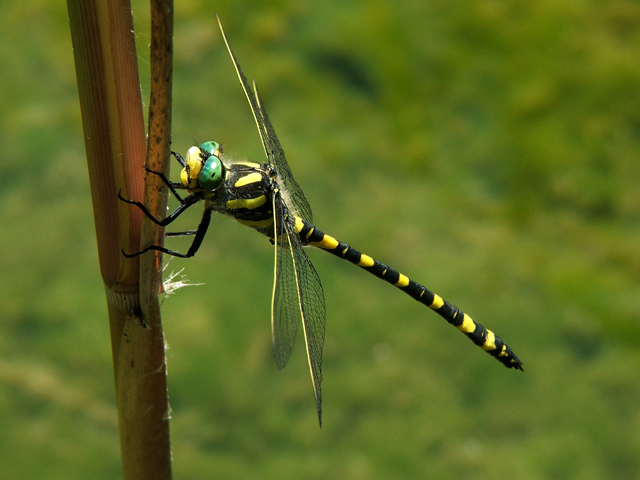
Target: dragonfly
column 266, row 197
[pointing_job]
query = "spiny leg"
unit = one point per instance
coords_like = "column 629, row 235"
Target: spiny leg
column 195, row 245
column 171, row 185
column 187, row 233
column 482, row 337
column 188, row 201
column 179, row 158
column 185, row 203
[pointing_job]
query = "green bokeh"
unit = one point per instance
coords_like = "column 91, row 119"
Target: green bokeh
column 488, row 149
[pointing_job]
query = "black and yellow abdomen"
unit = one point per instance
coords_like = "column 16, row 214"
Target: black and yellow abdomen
column 484, row 338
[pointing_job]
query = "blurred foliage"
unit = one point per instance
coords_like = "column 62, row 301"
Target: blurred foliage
column 488, row 149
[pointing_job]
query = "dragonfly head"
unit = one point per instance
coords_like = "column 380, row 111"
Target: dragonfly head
column 203, row 170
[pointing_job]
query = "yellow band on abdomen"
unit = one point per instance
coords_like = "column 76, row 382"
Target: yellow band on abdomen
column 366, row 261
column 490, row 344
column 403, row 281
column 467, row 325
column 328, row 243
column 437, row 302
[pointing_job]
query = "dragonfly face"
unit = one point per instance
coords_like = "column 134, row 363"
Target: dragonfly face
column 203, row 169
column 242, row 190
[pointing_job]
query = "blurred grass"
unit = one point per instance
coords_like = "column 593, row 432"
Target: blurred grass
column 487, row 149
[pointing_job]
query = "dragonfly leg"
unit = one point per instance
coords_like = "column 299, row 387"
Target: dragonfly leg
column 200, row 233
column 157, row 248
column 179, row 158
column 180, row 234
column 195, row 245
column 172, row 185
column 186, row 203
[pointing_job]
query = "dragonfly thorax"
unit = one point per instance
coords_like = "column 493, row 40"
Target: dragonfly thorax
column 203, row 168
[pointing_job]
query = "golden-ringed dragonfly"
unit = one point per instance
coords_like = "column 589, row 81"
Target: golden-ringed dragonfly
column 266, row 197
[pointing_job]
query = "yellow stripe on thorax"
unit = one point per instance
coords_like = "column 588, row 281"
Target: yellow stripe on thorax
column 248, row 164
column 247, row 179
column 248, row 203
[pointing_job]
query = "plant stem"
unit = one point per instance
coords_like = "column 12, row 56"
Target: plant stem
column 113, row 124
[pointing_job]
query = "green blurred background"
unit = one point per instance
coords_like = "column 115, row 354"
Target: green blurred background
column 488, row 149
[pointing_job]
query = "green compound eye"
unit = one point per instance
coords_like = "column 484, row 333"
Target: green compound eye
column 212, row 173
column 212, row 148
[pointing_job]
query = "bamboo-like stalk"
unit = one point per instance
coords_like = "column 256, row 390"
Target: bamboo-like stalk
column 111, row 106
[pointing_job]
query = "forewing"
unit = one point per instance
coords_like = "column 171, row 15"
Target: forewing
column 285, row 178
column 293, row 196
column 297, row 291
column 257, row 114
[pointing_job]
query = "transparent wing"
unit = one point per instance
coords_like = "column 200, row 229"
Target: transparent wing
column 285, row 178
column 286, row 314
column 292, row 193
column 297, row 295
